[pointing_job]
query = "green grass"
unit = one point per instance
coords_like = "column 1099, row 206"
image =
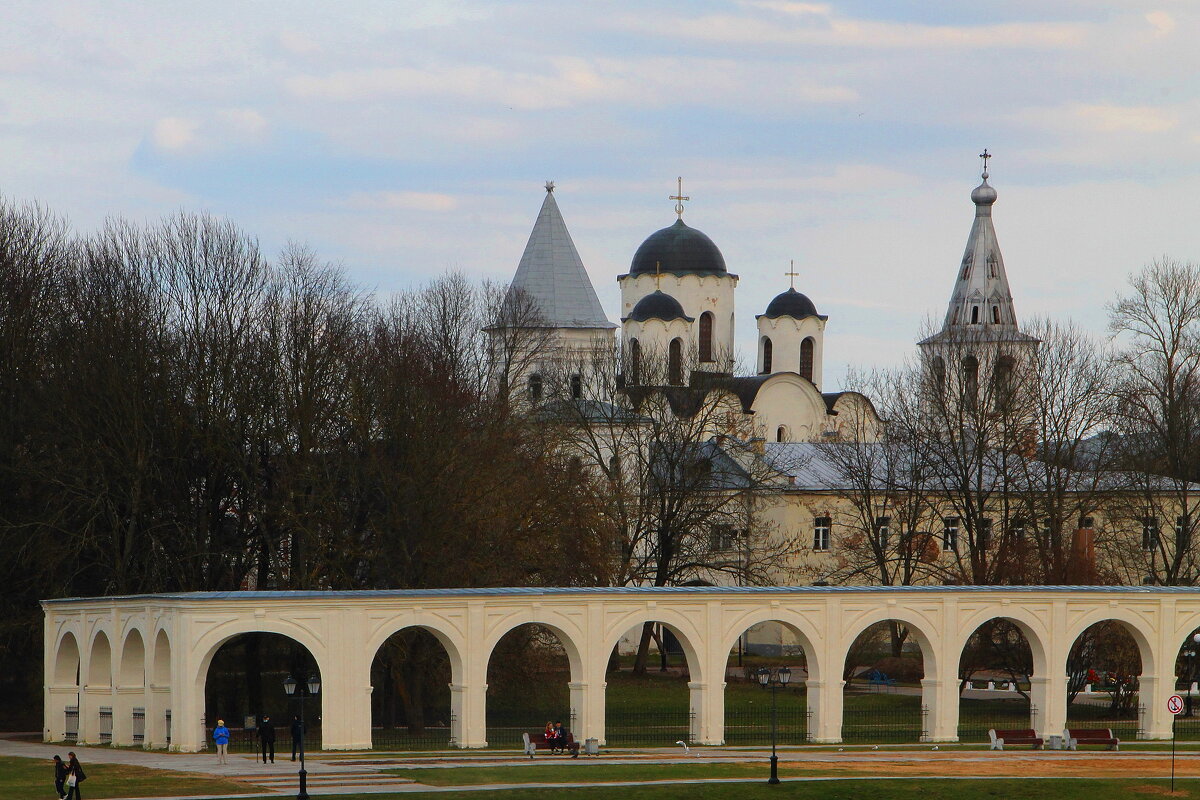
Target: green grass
column 34, row 777
column 919, row 789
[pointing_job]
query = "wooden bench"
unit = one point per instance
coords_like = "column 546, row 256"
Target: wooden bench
column 538, row 741
column 1073, row 737
column 1022, row 736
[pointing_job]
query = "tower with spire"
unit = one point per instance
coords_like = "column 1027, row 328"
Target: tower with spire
column 550, row 323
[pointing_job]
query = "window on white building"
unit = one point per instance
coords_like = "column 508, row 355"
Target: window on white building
column 821, row 528
column 950, row 533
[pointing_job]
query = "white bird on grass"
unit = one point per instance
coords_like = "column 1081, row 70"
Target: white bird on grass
column 687, row 751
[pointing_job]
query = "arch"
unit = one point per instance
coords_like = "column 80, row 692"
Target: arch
column 979, row 712
column 807, row 347
column 635, row 361
column 781, row 434
column 66, row 661
column 1029, row 625
column 100, row 662
column 938, row 367
column 673, row 621
column 974, row 315
column 448, row 638
column 162, row 659
column 421, row 714
column 918, row 628
column 767, row 355
column 675, row 362
column 212, row 641
column 535, row 386
column 1002, row 375
column 706, row 336
column 995, row 315
column 970, row 374
column 559, row 627
column 1128, row 620
column 797, row 624
column 132, row 671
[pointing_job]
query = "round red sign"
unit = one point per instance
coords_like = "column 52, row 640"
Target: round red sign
column 1175, row 704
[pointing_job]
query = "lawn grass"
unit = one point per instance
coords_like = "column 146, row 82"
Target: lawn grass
column 886, row 789
column 22, row 778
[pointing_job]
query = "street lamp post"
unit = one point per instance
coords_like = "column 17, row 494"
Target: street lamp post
column 773, row 681
column 311, row 689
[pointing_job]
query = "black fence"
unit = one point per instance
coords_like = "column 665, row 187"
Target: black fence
column 427, row 737
column 893, row 725
column 1125, row 725
column 505, row 726
column 635, row 728
column 751, row 725
column 977, row 717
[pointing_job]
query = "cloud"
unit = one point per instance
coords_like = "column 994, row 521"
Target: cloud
column 220, row 129
column 298, row 43
column 174, row 133
column 407, row 201
column 1162, row 22
column 1135, row 119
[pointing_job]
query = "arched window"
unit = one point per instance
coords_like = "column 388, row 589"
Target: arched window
column 635, row 362
column 996, row 314
column 706, row 335
column 806, row 358
column 970, row 371
column 939, row 373
column 766, row 356
column 1002, row 378
column 576, row 387
column 781, row 434
column 675, row 362
column 974, row 315
column 535, row 387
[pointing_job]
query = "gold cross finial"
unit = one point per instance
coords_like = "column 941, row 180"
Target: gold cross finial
column 985, row 155
column 792, row 275
column 679, row 198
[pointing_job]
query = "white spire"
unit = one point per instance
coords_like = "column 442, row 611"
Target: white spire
column 552, row 274
column 981, row 299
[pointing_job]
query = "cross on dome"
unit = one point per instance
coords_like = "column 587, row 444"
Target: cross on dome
column 985, row 155
column 679, row 198
column 792, row 274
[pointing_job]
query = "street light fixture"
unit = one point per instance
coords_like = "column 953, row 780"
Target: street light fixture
column 311, row 688
column 773, row 681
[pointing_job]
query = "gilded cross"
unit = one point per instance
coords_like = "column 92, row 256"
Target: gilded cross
column 679, row 198
column 792, row 275
column 985, row 155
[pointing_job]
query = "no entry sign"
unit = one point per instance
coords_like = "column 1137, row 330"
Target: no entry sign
column 1175, row 704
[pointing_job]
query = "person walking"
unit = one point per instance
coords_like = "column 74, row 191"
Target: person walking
column 60, row 777
column 266, row 735
column 297, row 735
column 221, row 740
column 75, row 776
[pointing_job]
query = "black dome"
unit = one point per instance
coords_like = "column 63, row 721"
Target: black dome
column 791, row 304
column 679, row 250
column 658, row 305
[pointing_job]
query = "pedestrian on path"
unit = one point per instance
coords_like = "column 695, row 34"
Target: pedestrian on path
column 60, row 777
column 297, row 735
column 75, row 776
column 221, row 740
column 266, row 735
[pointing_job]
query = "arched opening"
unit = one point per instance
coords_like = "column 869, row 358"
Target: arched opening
column 995, row 315
column 974, row 315
column 528, row 677
column 535, row 387
column 100, row 664
column 65, row 692
column 635, row 362
column 158, row 714
column 244, row 686
column 768, row 645
column 781, row 434
column 1187, row 677
column 1002, row 378
column 1103, row 667
column 767, row 353
column 970, row 373
column 410, row 698
column 133, row 661
column 882, row 702
column 706, row 336
column 806, row 358
column 994, row 671
column 162, row 660
column 576, row 387
column 675, row 362
column 647, row 701
column 66, row 662
column 938, row 368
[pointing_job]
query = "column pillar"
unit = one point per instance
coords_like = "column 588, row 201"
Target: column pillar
column 125, row 698
column 55, row 711
column 90, row 701
column 707, row 706
column 825, row 710
column 345, row 707
column 940, row 697
column 1154, row 721
column 587, row 703
column 158, row 700
column 1049, row 696
column 468, row 705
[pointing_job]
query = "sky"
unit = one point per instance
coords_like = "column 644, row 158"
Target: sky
column 406, row 139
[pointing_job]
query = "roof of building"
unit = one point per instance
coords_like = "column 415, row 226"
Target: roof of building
column 552, row 275
column 791, row 304
column 678, row 250
column 657, row 305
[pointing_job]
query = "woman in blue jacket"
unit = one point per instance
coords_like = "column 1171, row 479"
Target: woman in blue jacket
column 221, row 739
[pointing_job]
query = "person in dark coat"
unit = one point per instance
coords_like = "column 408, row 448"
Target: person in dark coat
column 266, row 735
column 297, row 735
column 60, row 777
column 75, row 770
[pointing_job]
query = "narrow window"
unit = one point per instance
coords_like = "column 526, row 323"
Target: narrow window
column 883, row 531
column 996, row 315
column 974, row 315
column 966, row 268
column 781, row 433
column 821, row 526
column 614, row 469
column 939, row 374
column 991, row 265
column 722, row 538
column 675, row 363
column 706, row 335
column 1182, row 533
column 950, row 533
column 1002, row 382
column 576, row 387
column 1149, row 533
column 954, row 316
column 1016, row 529
column 970, row 369
column 635, row 357
column 984, row 534
column 766, row 356
column 535, row 387
column 806, row 358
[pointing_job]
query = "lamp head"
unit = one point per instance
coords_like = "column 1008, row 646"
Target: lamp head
column 314, row 685
column 764, row 676
column 785, row 675
column 289, row 686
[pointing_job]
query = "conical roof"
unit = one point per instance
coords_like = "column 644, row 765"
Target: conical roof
column 552, row 274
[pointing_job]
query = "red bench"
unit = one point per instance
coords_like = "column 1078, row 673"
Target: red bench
column 1077, row 736
column 538, row 741
column 1026, row 736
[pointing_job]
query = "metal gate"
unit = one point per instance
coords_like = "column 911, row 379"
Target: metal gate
column 72, row 727
column 139, row 725
column 106, row 723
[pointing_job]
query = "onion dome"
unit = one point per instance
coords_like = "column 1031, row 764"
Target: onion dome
column 678, row 250
column 983, row 194
column 657, row 305
column 791, row 304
